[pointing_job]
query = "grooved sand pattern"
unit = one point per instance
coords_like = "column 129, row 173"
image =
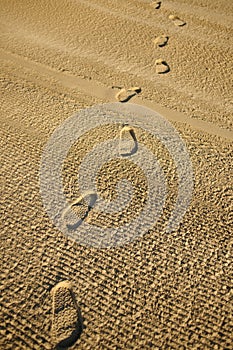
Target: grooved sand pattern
column 163, row 291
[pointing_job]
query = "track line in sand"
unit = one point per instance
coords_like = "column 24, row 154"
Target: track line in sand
column 161, row 66
column 107, row 94
column 198, row 34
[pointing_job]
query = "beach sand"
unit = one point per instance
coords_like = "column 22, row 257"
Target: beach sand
column 163, row 290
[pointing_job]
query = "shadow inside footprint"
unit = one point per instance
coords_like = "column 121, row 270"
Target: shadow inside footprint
column 124, row 95
column 86, row 201
column 128, row 144
column 161, row 66
column 161, row 40
column 177, row 21
column 127, row 98
column 79, row 222
column 156, row 4
column 66, row 343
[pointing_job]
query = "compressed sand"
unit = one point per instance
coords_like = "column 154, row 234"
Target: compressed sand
column 162, row 291
column 161, row 66
column 177, row 21
column 66, row 317
column 160, row 40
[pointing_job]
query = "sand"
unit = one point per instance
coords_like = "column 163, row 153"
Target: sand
column 161, row 291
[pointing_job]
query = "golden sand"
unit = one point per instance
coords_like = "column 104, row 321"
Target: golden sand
column 162, row 291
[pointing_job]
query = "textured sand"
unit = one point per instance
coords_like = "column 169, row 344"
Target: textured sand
column 163, row 291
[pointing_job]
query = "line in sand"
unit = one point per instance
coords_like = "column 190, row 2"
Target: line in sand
column 107, row 94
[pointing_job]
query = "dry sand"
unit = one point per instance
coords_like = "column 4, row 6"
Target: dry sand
column 163, row 291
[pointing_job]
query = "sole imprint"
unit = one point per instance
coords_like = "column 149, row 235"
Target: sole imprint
column 177, row 21
column 156, row 4
column 125, row 95
column 66, row 315
column 161, row 66
column 128, row 144
column 161, row 40
column 88, row 199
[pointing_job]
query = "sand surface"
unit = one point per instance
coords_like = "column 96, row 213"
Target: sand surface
column 162, row 291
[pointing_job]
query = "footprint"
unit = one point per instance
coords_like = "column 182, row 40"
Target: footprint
column 125, row 95
column 177, row 21
column 156, row 4
column 128, row 144
column 66, row 315
column 88, row 198
column 161, row 40
column 161, row 66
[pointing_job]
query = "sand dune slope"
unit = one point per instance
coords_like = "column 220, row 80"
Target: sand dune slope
column 163, row 290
